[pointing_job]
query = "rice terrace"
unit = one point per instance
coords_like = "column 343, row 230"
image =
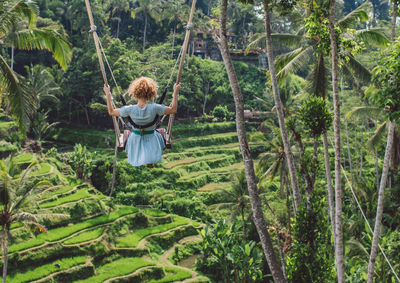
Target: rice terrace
column 231, row 141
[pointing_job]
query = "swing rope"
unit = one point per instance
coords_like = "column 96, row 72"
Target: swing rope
column 365, row 219
column 178, row 78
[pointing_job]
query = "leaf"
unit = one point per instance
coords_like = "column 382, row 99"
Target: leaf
column 358, row 15
column 291, row 62
column 373, row 37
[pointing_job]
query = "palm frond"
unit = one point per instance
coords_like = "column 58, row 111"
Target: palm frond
column 364, row 112
column 360, row 14
column 22, row 102
column 257, row 41
column 377, row 137
column 280, row 40
column 291, row 62
column 13, row 11
column 358, row 70
column 48, row 38
column 374, row 37
column 24, row 217
column 318, row 78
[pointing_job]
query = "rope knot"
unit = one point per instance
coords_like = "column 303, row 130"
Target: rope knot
column 189, row 26
column 93, row 28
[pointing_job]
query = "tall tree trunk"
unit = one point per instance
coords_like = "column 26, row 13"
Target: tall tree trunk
column 361, row 151
column 144, row 31
column 384, row 177
column 377, row 169
column 243, row 223
column 173, row 40
column 114, row 172
column 258, row 215
column 394, row 18
column 281, row 254
column 4, row 243
column 279, row 110
column 338, row 235
column 381, row 197
column 331, row 202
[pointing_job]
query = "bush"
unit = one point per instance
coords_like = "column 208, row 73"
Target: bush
column 222, row 113
column 7, row 148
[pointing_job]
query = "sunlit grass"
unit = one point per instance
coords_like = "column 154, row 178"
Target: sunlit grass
column 80, row 194
column 132, row 240
column 63, row 232
column 46, row 269
column 85, row 236
column 119, row 267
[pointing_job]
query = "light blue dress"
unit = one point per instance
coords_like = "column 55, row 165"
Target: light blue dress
column 144, row 149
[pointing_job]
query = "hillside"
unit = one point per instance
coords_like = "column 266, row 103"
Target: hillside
column 101, row 241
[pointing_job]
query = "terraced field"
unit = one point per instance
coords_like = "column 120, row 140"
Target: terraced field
column 105, row 242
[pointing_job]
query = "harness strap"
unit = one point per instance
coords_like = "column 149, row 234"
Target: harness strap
column 141, row 133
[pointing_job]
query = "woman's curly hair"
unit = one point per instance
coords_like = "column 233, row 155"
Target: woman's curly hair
column 143, row 87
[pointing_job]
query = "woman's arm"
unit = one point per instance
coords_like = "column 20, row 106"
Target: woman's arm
column 111, row 110
column 174, row 105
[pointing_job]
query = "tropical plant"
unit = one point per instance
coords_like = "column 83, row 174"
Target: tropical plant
column 18, row 30
column 226, row 257
column 148, row 8
column 386, row 77
column 115, row 9
column 258, row 216
column 81, row 160
column 238, row 197
column 17, row 197
column 310, row 259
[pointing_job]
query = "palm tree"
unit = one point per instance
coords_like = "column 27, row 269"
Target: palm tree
column 173, row 12
column 15, row 197
column 239, row 197
column 116, row 8
column 279, row 110
column 338, row 234
column 18, row 30
column 385, row 171
column 258, row 216
column 149, row 8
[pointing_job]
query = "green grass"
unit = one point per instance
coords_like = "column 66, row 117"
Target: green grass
column 132, row 240
column 80, row 194
column 46, row 269
column 58, row 191
column 173, row 275
column 154, row 213
column 63, row 232
column 45, row 168
column 85, row 236
column 24, row 158
column 120, row 267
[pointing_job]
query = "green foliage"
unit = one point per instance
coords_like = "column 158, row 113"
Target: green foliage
column 183, row 251
column 316, row 117
column 222, row 113
column 311, row 257
column 46, row 269
column 386, row 77
column 226, row 257
column 7, row 149
column 81, row 161
column 173, row 275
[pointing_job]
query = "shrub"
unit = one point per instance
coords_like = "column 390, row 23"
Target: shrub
column 222, row 113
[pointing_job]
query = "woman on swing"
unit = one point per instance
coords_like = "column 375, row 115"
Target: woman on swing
column 143, row 147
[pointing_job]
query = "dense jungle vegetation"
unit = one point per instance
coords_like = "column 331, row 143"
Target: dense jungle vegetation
column 286, row 146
